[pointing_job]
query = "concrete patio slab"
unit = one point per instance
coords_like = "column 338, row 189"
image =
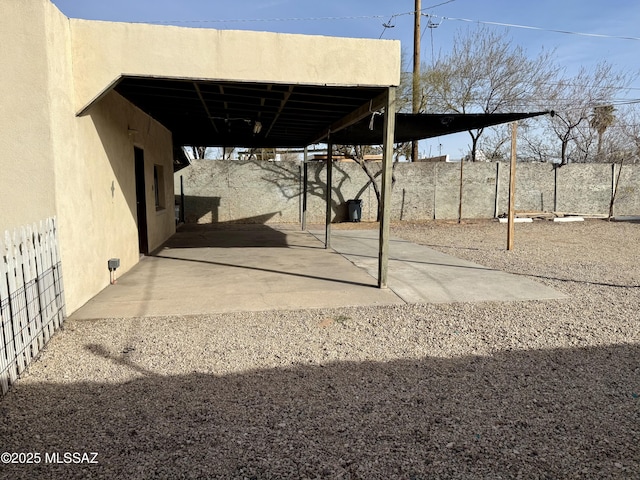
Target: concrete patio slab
column 419, row 274
column 204, row 270
column 249, row 268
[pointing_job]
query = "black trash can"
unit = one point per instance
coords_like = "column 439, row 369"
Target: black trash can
column 355, row 210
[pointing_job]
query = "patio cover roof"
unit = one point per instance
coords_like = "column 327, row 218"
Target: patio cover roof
column 255, row 115
column 246, row 114
column 410, row 127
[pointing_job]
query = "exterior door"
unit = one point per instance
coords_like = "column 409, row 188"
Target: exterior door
column 141, row 201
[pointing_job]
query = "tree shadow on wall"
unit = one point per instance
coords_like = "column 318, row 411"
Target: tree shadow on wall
column 532, row 414
column 289, row 182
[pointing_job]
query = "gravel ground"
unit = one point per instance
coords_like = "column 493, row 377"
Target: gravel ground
column 471, row 390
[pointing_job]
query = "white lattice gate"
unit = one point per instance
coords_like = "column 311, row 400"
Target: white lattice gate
column 31, row 296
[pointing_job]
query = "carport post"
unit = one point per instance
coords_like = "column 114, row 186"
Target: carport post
column 327, row 232
column 305, row 177
column 385, row 208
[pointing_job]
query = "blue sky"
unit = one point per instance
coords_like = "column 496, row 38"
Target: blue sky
column 612, row 18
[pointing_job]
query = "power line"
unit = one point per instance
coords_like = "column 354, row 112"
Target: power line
column 622, row 89
column 561, row 83
column 562, row 103
column 412, row 12
column 529, row 27
column 300, row 19
column 577, row 85
column 284, row 19
column 390, row 23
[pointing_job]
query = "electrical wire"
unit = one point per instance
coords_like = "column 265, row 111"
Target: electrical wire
column 285, row 19
column 529, row 27
column 570, row 84
column 389, row 23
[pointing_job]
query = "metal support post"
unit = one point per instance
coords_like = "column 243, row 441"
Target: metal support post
column 327, row 232
column 305, row 178
column 387, row 164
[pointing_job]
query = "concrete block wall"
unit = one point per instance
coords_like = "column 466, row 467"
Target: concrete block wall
column 270, row 192
column 447, row 191
column 534, row 187
column 248, row 192
column 628, row 194
column 585, row 188
column 478, row 189
column 414, row 191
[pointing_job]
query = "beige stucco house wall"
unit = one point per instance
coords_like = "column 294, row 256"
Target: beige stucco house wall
column 27, row 192
column 67, row 140
column 78, row 168
column 105, row 50
column 94, row 175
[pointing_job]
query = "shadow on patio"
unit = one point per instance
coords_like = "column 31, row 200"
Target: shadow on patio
column 233, row 267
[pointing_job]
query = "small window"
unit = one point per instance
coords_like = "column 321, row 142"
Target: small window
column 158, row 186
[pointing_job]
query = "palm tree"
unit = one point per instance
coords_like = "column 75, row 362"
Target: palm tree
column 602, row 119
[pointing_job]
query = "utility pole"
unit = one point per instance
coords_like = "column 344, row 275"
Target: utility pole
column 416, row 71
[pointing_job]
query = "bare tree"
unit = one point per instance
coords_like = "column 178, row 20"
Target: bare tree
column 629, row 128
column 195, row 153
column 227, row 152
column 358, row 154
column 534, row 143
column 574, row 99
column 585, row 142
column 404, row 97
column 200, row 153
column 495, row 143
column 485, row 73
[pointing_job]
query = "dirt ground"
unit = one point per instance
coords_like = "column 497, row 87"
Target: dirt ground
column 535, row 389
